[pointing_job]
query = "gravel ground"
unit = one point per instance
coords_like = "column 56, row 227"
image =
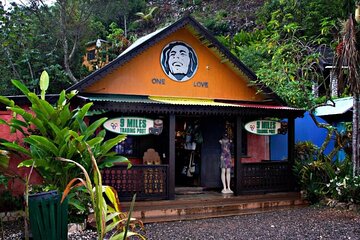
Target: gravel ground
column 301, row 223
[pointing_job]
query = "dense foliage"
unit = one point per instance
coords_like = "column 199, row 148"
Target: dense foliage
column 36, row 37
column 26, row 50
column 282, row 48
column 55, row 130
column 307, row 15
column 58, row 131
column 288, row 50
column 321, row 178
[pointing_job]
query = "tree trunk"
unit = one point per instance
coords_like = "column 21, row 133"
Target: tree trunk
column 15, row 72
column 67, row 57
column 67, row 61
column 355, row 136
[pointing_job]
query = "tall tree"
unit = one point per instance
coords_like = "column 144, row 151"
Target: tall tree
column 121, row 12
column 27, row 48
column 308, row 14
column 348, row 58
column 74, row 18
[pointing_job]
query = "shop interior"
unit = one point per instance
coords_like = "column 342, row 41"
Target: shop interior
column 197, row 151
column 197, row 148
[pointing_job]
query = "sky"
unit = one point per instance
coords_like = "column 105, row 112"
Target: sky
column 6, row 3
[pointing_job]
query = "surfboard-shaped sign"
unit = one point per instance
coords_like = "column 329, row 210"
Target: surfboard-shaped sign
column 263, row 127
column 133, row 126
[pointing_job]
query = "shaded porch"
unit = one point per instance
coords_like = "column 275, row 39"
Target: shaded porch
column 151, row 182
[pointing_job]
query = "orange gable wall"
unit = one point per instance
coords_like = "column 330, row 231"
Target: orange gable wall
column 137, row 77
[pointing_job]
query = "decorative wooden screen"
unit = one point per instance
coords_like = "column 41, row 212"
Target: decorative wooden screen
column 266, row 177
column 147, row 181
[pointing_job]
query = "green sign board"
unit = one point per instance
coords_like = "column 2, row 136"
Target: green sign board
column 263, row 127
column 131, row 126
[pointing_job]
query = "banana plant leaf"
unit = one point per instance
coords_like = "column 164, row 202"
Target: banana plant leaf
column 4, row 159
column 16, row 148
column 109, row 161
column 109, row 144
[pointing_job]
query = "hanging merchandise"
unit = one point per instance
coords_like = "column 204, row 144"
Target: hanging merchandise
column 197, row 134
column 193, row 136
column 189, row 138
column 190, row 146
column 184, row 170
column 229, row 129
column 191, row 168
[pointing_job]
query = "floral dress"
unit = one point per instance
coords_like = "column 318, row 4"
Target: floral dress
column 225, row 159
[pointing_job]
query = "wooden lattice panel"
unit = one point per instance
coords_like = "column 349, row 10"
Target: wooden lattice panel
column 266, row 177
column 147, row 181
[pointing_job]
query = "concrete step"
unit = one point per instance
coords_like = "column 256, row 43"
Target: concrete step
column 210, row 205
column 187, row 217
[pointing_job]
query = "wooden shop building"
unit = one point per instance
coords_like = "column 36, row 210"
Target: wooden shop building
column 175, row 93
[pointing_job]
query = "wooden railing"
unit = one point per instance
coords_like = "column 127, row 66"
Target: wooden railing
column 267, row 176
column 149, row 182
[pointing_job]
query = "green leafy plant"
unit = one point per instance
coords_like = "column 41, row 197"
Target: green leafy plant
column 52, row 131
column 312, row 171
column 321, row 177
column 4, row 159
column 57, row 131
column 8, row 202
column 119, row 225
column 118, row 41
column 342, row 186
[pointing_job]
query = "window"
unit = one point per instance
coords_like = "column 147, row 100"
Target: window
column 91, row 55
column 126, row 147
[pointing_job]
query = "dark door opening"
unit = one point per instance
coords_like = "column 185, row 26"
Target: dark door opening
column 197, row 141
column 188, row 152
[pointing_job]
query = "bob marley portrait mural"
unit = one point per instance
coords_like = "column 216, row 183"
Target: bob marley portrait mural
column 179, row 61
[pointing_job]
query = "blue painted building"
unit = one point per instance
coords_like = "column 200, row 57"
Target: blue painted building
column 306, row 130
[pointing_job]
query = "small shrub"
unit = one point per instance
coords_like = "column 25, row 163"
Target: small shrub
column 342, row 186
column 311, row 170
column 9, row 203
column 217, row 27
column 320, row 178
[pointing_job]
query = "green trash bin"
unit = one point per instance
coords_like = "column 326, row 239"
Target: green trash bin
column 48, row 217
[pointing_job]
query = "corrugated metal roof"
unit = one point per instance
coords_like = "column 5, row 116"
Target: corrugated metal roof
column 190, row 101
column 177, row 101
column 116, row 98
column 261, row 106
column 342, row 105
column 142, row 40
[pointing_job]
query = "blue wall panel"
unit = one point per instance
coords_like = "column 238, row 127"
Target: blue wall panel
column 305, row 130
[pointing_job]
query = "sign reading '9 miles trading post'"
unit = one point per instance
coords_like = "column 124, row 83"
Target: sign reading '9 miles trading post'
column 263, row 127
column 134, row 126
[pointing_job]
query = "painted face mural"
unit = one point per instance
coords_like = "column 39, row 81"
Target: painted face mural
column 179, row 61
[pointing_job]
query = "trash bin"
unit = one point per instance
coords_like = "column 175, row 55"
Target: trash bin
column 48, row 217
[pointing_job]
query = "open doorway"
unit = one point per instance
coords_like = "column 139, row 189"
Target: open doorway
column 197, row 144
column 188, row 152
